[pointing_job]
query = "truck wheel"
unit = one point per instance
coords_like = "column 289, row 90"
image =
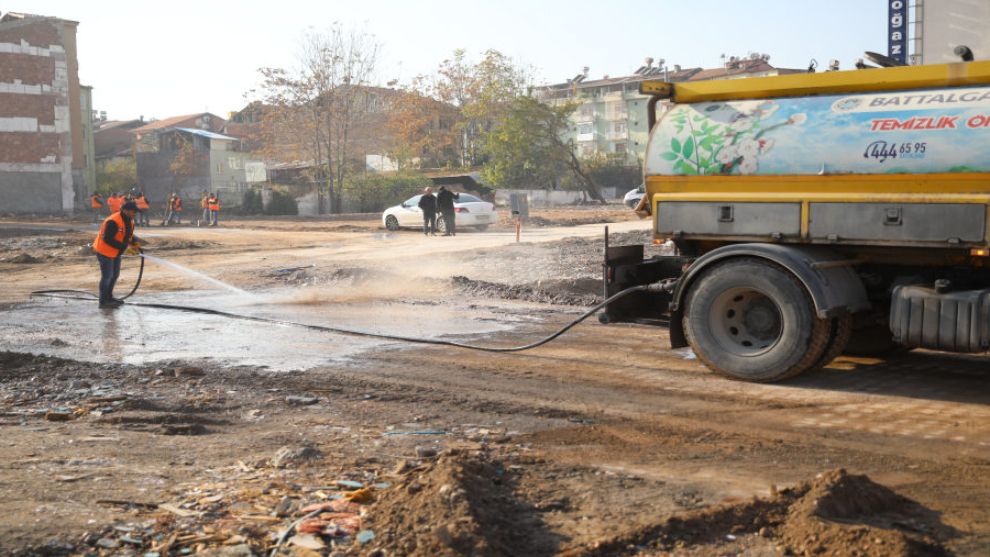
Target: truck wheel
column 838, row 339
column 752, row 320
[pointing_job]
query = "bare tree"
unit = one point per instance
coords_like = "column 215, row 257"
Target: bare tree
column 324, row 99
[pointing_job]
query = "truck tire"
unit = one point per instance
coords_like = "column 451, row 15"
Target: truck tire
column 750, row 319
column 838, row 339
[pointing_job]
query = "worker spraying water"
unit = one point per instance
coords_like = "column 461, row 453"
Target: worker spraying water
column 115, row 238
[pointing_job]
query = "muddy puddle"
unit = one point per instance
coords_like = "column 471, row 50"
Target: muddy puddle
column 77, row 329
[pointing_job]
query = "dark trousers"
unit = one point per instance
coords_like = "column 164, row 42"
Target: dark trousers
column 109, row 272
column 429, row 223
column 449, row 223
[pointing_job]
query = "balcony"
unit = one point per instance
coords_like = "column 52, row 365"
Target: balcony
column 617, row 136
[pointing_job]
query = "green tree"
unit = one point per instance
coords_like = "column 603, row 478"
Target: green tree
column 374, row 192
column 526, row 148
column 116, row 175
column 481, row 91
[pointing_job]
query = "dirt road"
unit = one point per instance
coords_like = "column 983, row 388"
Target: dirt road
column 144, row 431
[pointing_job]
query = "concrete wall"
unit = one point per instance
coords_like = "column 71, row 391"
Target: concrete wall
column 30, row 191
column 39, row 93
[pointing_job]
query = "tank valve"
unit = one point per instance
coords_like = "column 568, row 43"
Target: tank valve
column 943, row 285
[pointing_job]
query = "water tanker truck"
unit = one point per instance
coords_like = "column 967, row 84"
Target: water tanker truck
column 815, row 214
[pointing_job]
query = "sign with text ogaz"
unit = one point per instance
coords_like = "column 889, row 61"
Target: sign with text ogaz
column 897, row 30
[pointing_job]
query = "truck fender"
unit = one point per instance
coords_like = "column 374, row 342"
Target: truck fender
column 830, row 279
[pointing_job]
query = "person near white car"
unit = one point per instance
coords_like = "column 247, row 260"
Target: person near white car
column 445, row 202
column 428, row 204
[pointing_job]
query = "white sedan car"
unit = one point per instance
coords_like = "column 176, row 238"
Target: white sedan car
column 469, row 211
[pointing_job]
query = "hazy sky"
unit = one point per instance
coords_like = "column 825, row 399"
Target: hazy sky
column 171, row 57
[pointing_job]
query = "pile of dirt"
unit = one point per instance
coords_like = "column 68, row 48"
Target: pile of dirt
column 459, row 505
column 572, row 292
column 167, row 245
column 834, row 514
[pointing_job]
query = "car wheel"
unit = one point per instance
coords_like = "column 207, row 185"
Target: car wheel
column 391, row 222
column 751, row 320
column 481, row 227
column 441, row 225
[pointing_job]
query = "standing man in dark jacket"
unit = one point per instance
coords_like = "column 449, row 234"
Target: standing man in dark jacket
column 428, row 204
column 445, row 202
column 115, row 237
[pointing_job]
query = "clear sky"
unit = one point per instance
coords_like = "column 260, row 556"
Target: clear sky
column 169, row 57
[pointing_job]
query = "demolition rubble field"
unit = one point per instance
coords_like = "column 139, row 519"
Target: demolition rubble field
column 144, row 432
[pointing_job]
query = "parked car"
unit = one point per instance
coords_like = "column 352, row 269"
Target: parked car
column 470, row 211
column 633, row 196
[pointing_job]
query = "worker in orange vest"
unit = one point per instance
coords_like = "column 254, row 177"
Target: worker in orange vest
column 204, row 204
column 213, row 203
column 177, row 208
column 96, row 203
column 114, row 202
column 143, row 207
column 116, row 236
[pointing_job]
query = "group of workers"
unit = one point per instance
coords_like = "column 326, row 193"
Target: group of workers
column 209, row 203
column 443, row 203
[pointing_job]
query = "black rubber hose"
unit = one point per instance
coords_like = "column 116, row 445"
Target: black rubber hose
column 354, row 332
column 90, row 294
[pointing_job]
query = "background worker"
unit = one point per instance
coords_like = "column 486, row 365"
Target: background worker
column 213, row 202
column 445, row 202
column 177, row 208
column 204, row 204
column 114, row 202
column 143, row 207
column 428, row 204
column 115, row 237
column 96, row 203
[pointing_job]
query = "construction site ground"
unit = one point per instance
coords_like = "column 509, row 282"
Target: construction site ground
column 142, row 431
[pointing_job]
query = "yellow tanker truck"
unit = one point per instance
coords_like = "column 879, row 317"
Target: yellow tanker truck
column 815, row 214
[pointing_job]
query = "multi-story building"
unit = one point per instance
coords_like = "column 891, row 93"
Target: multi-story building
column 610, row 118
column 43, row 163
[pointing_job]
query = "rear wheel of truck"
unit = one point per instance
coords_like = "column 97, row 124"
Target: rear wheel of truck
column 751, row 320
column 838, row 339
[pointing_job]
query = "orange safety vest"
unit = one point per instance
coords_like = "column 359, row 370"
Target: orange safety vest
column 214, row 204
column 142, row 203
column 103, row 248
column 177, row 204
column 115, row 202
column 95, row 201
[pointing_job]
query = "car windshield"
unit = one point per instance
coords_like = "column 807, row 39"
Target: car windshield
column 412, row 201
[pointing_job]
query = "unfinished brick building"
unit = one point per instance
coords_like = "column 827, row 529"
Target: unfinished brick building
column 42, row 161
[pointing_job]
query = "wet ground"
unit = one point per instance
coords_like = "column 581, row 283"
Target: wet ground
column 183, row 433
column 78, row 330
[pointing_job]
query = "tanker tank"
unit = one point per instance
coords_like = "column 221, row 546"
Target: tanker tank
column 910, row 132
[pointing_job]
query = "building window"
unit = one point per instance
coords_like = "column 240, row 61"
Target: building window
column 585, row 128
column 620, row 127
column 620, row 147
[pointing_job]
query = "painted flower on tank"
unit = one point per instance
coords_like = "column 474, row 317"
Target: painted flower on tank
column 723, row 138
